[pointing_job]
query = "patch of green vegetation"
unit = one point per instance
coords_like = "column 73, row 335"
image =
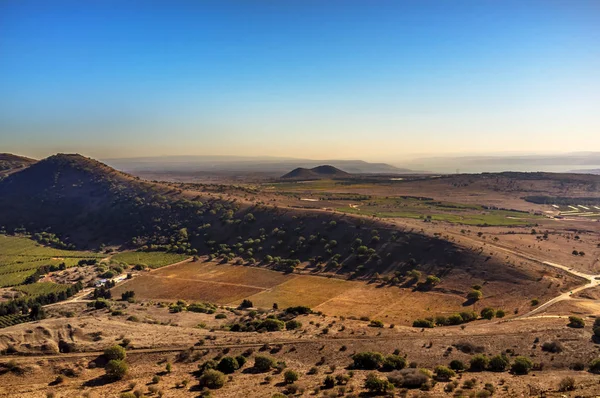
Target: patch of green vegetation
column 151, row 259
column 36, row 289
column 21, row 257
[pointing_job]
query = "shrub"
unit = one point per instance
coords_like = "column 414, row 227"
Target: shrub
column 475, row 295
column 220, row 316
column 290, row 377
column 246, row 304
column 241, row 360
column 457, row 365
column 127, row 395
column 263, row 363
column 208, row 365
column 376, row 385
column 367, row 360
column 228, row 365
column 576, row 322
column 500, row 314
column 272, row 325
column 488, row 313
column 293, row 324
column 116, row 369
column 423, row 323
column 115, row 352
column 444, row 373
column 376, row 324
column 521, row 365
column 479, row 363
column 566, row 384
column 553, row 347
column 329, row 382
column 212, row 379
column 394, row 362
column 595, row 366
column 155, row 380
column 409, row 378
column 499, row 363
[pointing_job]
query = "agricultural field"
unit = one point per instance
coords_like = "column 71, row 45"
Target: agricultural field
column 40, row 288
column 21, row 257
column 150, row 259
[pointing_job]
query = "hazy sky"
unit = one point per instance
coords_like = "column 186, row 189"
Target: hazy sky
column 322, row 79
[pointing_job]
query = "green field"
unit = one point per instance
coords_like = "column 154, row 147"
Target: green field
column 151, row 259
column 21, row 257
column 36, row 289
column 439, row 211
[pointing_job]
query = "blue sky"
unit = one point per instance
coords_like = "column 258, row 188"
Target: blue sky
column 378, row 80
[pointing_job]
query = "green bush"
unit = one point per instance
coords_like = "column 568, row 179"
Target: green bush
column 263, row 363
column 367, row 360
column 521, row 365
column 115, row 352
column 479, row 363
column 475, row 295
column 423, row 323
column 228, row 365
column 576, row 322
column 394, row 362
column 376, row 324
column 116, row 369
column 376, row 385
column 272, row 325
column 488, row 313
column 212, row 379
column 457, row 365
column 290, row 377
column 498, row 363
column 444, row 373
column 293, row 324
column 595, row 366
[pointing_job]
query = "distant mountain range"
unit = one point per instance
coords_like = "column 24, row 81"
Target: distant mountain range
column 318, row 172
column 270, row 165
column 10, row 163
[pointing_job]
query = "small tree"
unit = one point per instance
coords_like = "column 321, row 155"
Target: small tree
column 376, row 385
column 443, row 373
column 115, row 352
column 488, row 313
column 263, row 363
column 290, row 376
column 522, row 365
column 246, row 304
column 475, row 295
column 499, row 363
column 367, row 360
column 457, row 365
column 576, row 322
column 116, row 369
column 394, row 362
column 293, row 324
column 228, row 365
column 329, row 382
column 212, row 379
column 479, row 363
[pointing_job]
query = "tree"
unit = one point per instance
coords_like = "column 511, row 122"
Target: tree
column 475, row 295
column 521, row 365
column 367, row 360
column 263, row 363
column 499, row 363
column 576, row 322
column 37, row 312
column 212, row 379
column 595, row 366
column 488, row 313
column 443, row 373
column 394, row 362
column 116, row 369
column 228, row 365
column 457, row 365
column 246, row 304
column 376, row 385
column 293, row 324
column 115, row 352
column 290, row 377
column 479, row 363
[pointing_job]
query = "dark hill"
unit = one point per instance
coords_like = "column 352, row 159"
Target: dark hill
column 10, row 163
column 325, row 171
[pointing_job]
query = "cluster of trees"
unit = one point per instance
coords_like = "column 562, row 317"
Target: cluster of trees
column 271, row 323
column 440, row 320
column 32, row 306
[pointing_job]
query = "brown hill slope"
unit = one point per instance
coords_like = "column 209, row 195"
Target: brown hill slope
column 10, row 163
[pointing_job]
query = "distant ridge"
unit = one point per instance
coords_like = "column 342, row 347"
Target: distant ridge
column 10, row 163
column 324, row 171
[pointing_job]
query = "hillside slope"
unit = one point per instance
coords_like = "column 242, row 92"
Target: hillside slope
column 10, row 163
